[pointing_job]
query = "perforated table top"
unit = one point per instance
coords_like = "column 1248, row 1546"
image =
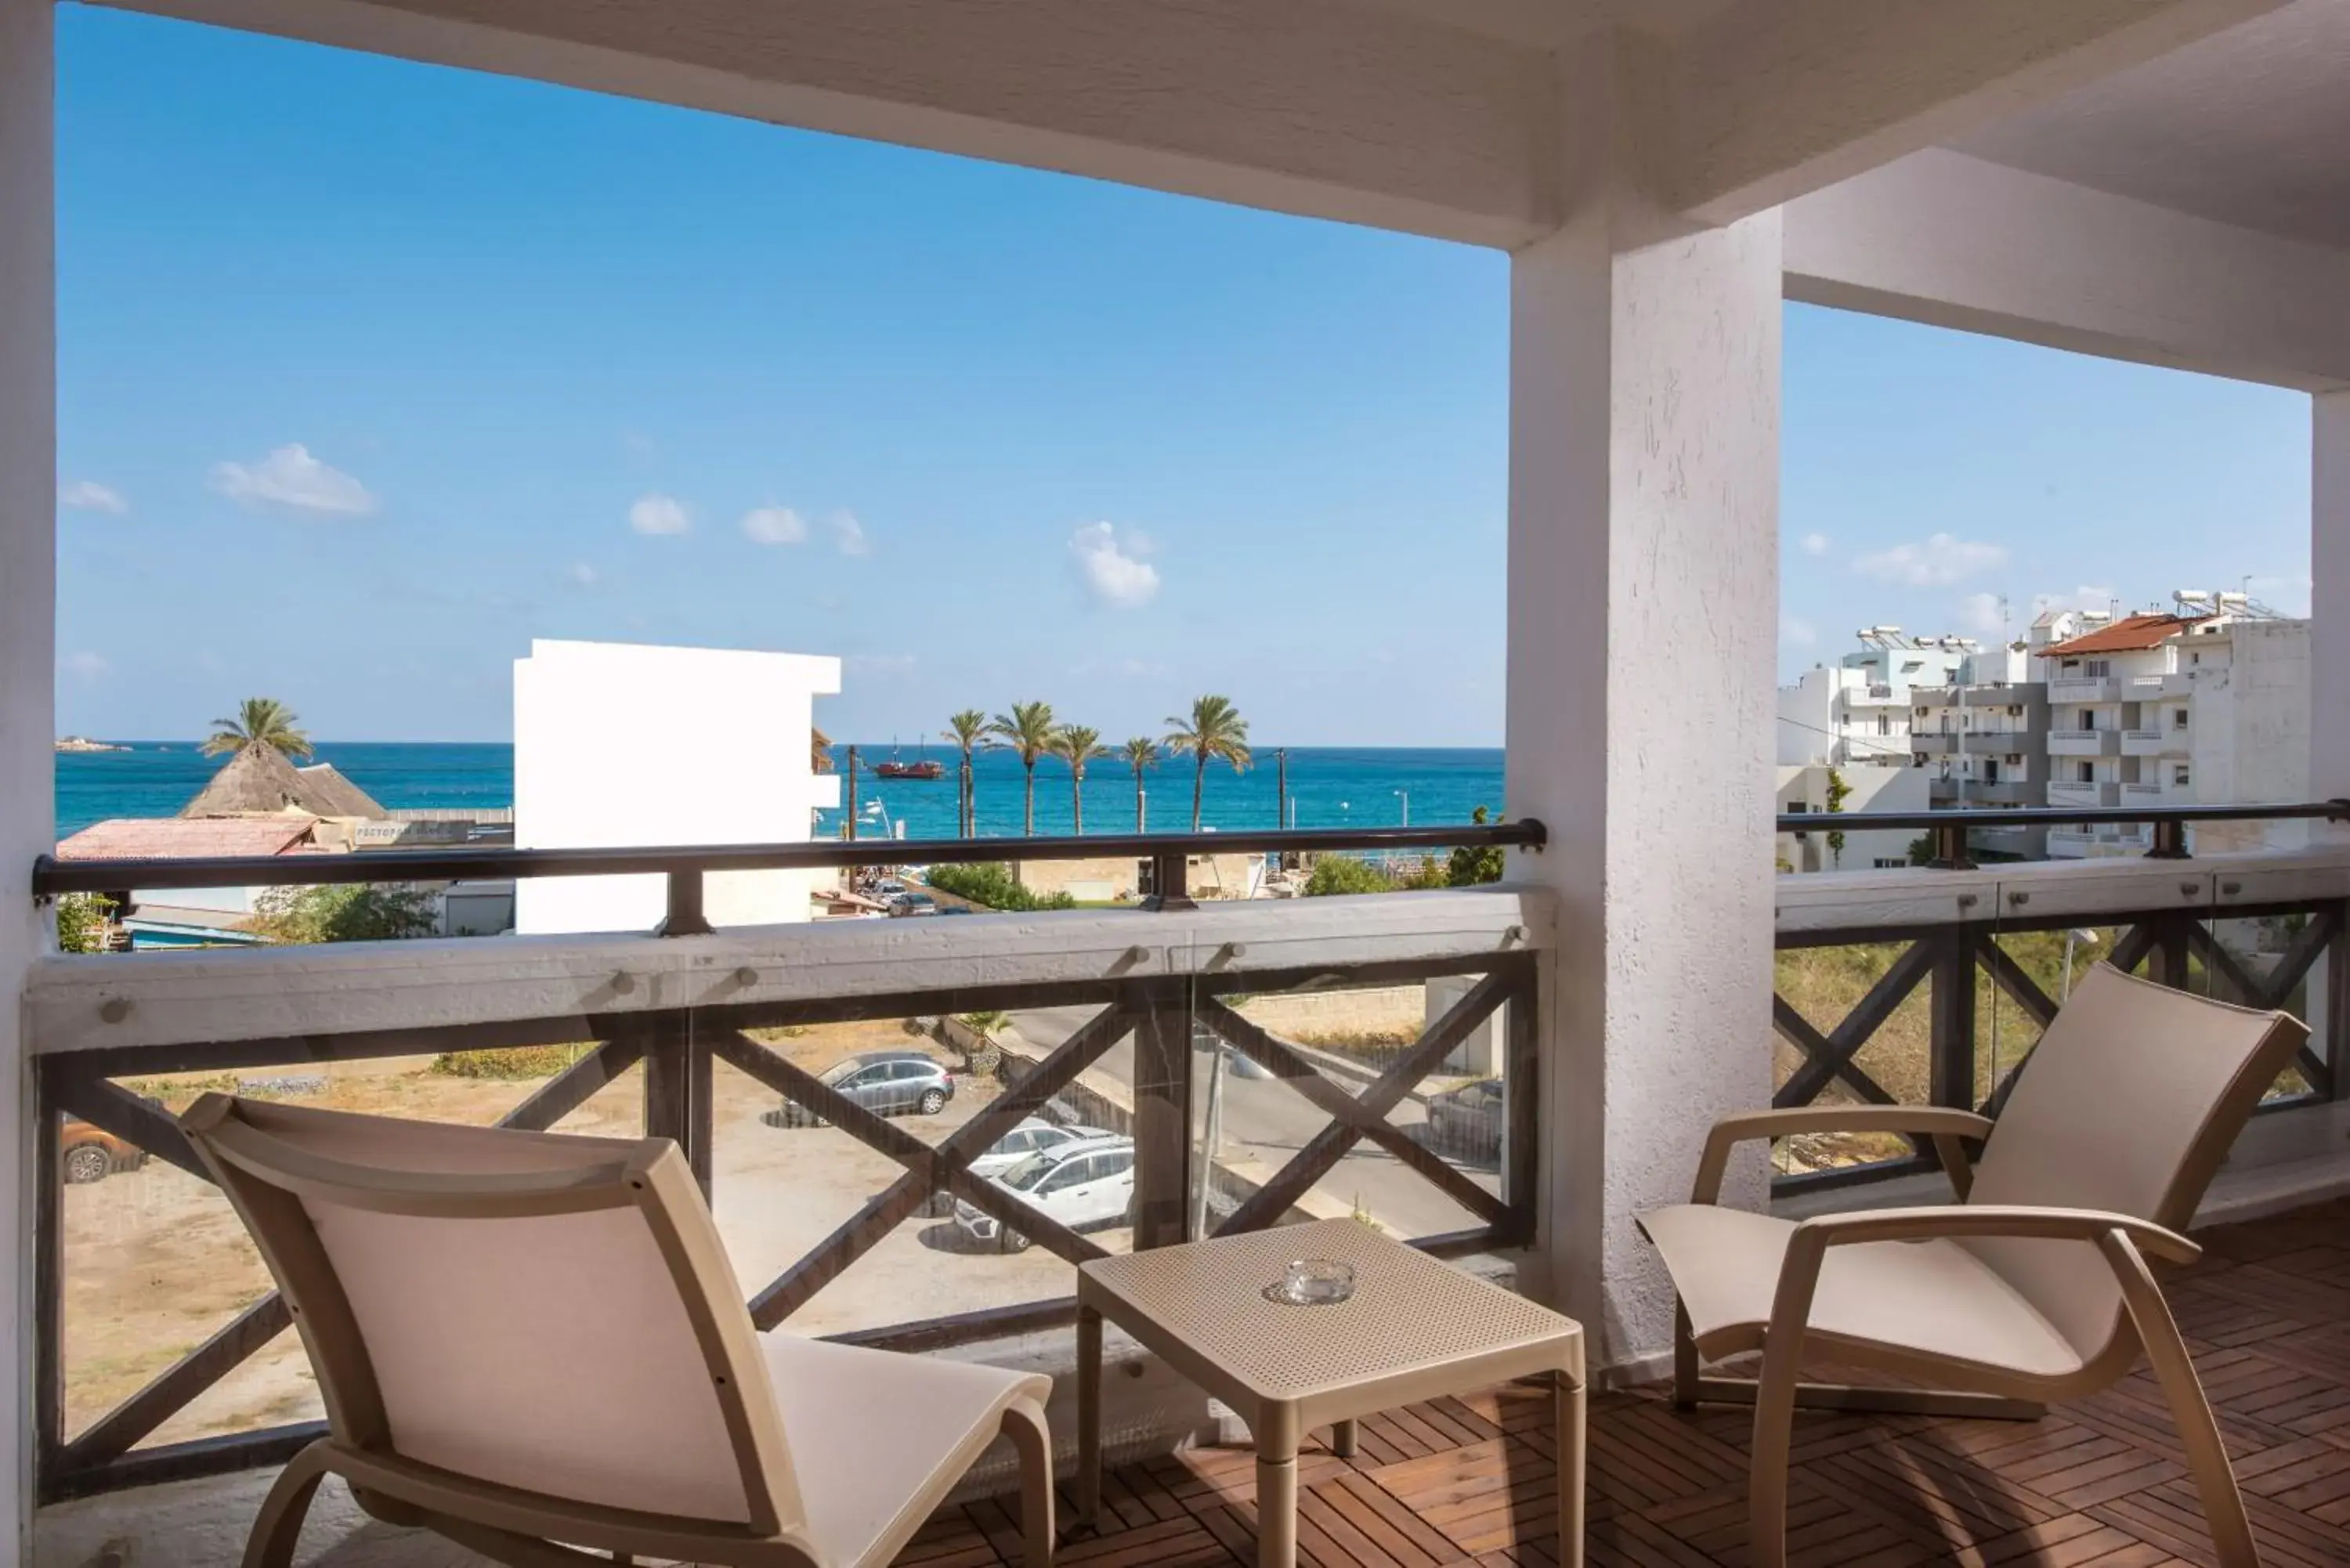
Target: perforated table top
column 1411, row 1313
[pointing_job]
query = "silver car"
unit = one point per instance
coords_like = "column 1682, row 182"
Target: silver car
column 1032, row 1134
column 887, row 1083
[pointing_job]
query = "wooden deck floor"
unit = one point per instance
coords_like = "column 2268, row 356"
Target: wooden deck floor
column 2267, row 1313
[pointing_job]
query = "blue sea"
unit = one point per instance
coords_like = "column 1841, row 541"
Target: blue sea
column 1329, row 786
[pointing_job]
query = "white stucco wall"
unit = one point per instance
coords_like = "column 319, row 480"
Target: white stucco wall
column 1873, row 790
column 617, row 744
column 27, row 660
column 1643, row 589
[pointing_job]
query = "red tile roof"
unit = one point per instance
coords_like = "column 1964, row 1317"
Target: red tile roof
column 2131, row 634
column 188, row 838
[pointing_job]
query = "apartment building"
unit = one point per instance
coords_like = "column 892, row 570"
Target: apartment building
column 1856, row 712
column 1981, row 743
column 2207, row 702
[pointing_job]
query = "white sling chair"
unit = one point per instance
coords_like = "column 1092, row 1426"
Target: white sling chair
column 527, row 1339
column 2033, row 1287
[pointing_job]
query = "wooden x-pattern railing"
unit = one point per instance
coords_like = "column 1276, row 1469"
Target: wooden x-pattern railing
column 2159, row 943
column 679, row 1049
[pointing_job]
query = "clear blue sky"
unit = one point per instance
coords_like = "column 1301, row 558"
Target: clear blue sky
column 369, row 372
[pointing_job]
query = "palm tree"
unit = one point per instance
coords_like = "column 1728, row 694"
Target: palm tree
column 1140, row 752
column 1076, row 745
column 1214, row 729
column 968, row 731
column 259, row 721
column 1027, row 732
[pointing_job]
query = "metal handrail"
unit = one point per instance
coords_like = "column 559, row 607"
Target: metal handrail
column 52, row 876
column 1949, row 827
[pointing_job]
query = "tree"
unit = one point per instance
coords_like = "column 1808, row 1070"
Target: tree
column 1470, row 865
column 1078, row 745
column 1028, row 731
column 1345, row 874
column 968, row 731
column 81, row 922
column 1214, row 729
column 345, row 912
column 1838, row 793
column 1140, row 752
column 259, row 721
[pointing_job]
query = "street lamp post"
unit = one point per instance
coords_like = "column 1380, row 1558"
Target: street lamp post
column 1405, row 797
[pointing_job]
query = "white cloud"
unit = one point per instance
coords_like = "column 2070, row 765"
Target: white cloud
column 1109, row 570
column 291, row 477
column 849, row 535
column 1982, row 613
column 1796, row 633
column 87, row 665
column 1815, row 543
column 658, row 514
column 579, row 574
column 774, row 525
column 2086, row 596
column 1941, row 560
column 89, row 495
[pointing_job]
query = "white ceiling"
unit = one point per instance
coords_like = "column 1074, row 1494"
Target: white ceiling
column 1546, row 24
column 2250, row 127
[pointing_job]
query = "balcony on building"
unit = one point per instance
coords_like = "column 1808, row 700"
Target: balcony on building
column 2085, row 743
column 2160, row 182
column 2085, row 795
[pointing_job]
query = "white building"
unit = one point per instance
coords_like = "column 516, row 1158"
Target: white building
column 616, row 744
column 1856, row 712
column 2178, row 709
column 1873, row 790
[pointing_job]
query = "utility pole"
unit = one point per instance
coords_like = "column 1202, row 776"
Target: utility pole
column 852, row 792
column 1281, row 786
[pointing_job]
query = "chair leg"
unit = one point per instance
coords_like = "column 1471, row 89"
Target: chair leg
column 2199, row 1430
column 1687, row 1369
column 278, row 1527
column 1024, row 1422
column 1774, row 1425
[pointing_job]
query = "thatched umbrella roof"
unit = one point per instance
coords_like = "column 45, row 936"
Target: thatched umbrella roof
column 332, row 794
column 259, row 781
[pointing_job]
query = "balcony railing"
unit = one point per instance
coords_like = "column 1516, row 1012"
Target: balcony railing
column 2084, row 689
column 1261, row 1060
column 1238, row 1047
column 2083, row 743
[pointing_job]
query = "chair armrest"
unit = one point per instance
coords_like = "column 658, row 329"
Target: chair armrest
column 1944, row 1126
column 2026, row 1221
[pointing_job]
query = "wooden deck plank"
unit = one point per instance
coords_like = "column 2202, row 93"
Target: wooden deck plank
column 2099, row 1484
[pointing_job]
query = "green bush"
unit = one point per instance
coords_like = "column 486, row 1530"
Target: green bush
column 991, row 884
column 347, row 912
column 1345, row 874
column 81, row 922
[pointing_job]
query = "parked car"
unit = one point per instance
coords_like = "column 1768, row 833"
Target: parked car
column 87, row 1153
column 1469, row 1120
column 1033, row 1133
column 887, row 1083
column 1085, row 1184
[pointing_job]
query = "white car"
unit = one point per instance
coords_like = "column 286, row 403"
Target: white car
column 1032, row 1133
column 1085, row 1183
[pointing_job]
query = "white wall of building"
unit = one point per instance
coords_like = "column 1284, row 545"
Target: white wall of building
column 29, row 510
column 1873, row 790
column 617, row 744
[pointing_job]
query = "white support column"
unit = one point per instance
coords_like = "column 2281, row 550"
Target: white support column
column 27, row 660
column 2329, row 603
column 1643, row 606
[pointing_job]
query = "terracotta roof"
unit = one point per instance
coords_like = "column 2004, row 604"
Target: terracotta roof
column 2130, row 634
column 188, row 838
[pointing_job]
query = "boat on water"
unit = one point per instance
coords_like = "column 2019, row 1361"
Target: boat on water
column 922, row 767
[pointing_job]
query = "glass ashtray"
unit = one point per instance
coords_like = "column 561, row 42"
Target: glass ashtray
column 1313, row 1282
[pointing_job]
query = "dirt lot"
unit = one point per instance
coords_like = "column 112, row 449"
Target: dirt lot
column 155, row 1263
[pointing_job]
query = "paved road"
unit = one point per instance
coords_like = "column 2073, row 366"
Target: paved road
column 1268, row 1119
